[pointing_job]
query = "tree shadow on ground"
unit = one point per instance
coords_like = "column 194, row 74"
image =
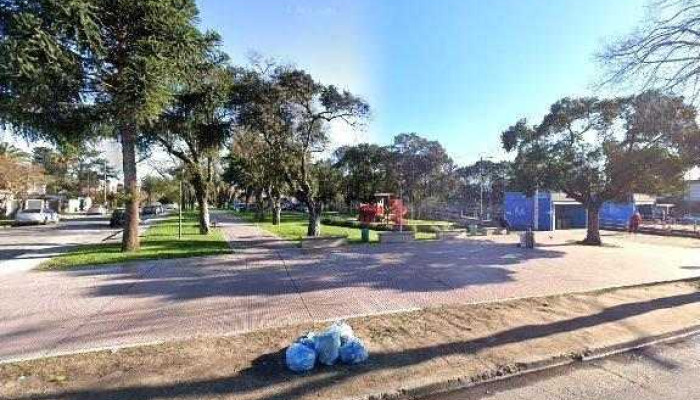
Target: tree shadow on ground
column 418, row 268
column 31, row 252
column 268, row 369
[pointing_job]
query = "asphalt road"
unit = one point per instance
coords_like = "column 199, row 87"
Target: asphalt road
column 667, row 371
column 24, row 247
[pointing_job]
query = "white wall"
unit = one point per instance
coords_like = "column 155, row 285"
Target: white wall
column 693, row 191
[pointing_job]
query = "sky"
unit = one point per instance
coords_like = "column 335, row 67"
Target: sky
column 458, row 71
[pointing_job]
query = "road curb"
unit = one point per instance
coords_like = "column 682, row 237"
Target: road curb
column 518, row 369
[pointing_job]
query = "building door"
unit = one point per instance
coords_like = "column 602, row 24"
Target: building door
column 569, row 216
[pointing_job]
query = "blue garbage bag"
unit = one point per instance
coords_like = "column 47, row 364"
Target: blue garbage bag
column 327, row 345
column 353, row 352
column 344, row 330
column 300, row 358
column 307, row 340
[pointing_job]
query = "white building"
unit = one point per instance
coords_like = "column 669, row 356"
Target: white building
column 692, row 191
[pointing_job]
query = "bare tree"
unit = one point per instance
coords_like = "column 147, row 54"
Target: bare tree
column 663, row 54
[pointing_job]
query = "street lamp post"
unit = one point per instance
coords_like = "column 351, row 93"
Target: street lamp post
column 481, row 185
column 481, row 188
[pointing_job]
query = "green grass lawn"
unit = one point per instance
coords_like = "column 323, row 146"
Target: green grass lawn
column 159, row 241
column 294, row 226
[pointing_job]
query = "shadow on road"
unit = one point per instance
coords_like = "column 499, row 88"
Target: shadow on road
column 269, row 369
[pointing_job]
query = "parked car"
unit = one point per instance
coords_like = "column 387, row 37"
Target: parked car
column 118, row 218
column 37, row 216
column 170, row 207
column 151, row 210
column 96, row 210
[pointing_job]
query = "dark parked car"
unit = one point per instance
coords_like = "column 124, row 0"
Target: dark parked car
column 118, row 218
column 151, row 210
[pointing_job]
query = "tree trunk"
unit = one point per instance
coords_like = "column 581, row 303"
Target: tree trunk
column 276, row 213
column 593, row 229
column 315, row 211
column 275, row 205
column 130, row 237
column 200, row 189
column 259, row 206
column 247, row 197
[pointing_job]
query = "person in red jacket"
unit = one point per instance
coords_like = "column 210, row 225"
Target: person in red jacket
column 635, row 221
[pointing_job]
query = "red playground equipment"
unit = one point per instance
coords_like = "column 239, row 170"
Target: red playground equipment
column 387, row 209
column 370, row 213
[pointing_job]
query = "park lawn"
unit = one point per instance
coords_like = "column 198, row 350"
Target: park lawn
column 159, row 241
column 293, row 227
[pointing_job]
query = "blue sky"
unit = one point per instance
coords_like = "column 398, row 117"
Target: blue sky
column 459, row 71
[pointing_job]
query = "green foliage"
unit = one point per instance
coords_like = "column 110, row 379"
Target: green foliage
column 597, row 150
column 367, row 170
column 294, row 228
column 71, row 169
column 8, row 150
column 76, row 69
column 291, row 112
column 196, row 126
column 329, row 182
column 158, row 188
column 160, row 241
column 415, row 167
column 69, row 66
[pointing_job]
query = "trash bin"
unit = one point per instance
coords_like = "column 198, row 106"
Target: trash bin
column 365, row 235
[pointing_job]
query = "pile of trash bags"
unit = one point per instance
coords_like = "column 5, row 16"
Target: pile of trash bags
column 336, row 344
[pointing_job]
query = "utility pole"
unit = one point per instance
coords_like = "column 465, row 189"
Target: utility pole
column 481, row 188
column 481, row 185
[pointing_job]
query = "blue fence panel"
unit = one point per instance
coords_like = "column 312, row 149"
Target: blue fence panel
column 616, row 214
column 519, row 211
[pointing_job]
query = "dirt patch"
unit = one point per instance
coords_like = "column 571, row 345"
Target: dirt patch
column 412, row 349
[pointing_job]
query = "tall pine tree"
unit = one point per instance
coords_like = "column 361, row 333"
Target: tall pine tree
column 70, row 69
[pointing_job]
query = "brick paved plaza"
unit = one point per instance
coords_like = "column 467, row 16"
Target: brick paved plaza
column 267, row 283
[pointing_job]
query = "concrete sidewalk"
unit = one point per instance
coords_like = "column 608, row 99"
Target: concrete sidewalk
column 268, row 283
column 411, row 354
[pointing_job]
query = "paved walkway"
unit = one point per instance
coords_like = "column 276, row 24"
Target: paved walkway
column 267, row 283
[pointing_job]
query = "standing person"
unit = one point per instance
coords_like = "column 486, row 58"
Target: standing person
column 635, row 221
